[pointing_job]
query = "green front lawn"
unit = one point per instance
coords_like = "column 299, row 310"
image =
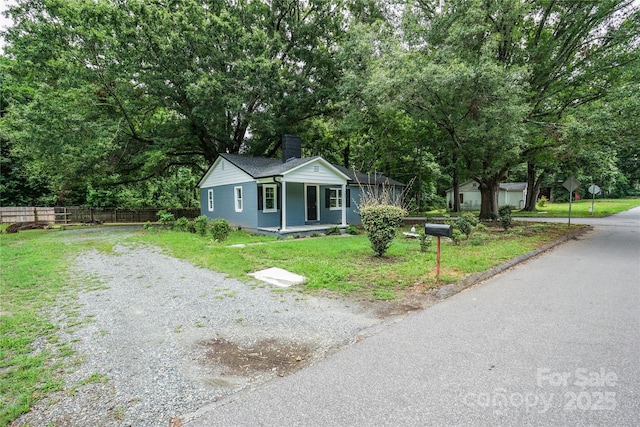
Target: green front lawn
column 581, row 208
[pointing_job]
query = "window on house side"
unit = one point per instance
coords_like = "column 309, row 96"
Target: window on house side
column 210, row 199
column 335, row 198
column 238, row 197
column 269, row 195
column 461, row 198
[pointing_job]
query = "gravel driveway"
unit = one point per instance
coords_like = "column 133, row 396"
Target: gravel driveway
column 160, row 338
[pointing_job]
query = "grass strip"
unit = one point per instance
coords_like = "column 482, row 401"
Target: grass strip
column 582, row 208
column 34, row 275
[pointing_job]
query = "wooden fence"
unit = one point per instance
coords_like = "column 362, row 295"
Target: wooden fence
column 11, row 215
column 76, row 214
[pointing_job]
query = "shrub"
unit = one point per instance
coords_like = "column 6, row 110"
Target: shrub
column 352, row 229
column 425, row 242
column 181, row 224
column 147, row 225
column 504, row 214
column 542, row 201
column 471, row 218
column 219, row 229
column 201, row 224
column 464, row 225
column 165, row 217
column 332, row 230
column 381, row 209
column 456, row 236
column 381, row 223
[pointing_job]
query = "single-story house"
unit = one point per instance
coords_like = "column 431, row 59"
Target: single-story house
column 509, row 193
column 288, row 195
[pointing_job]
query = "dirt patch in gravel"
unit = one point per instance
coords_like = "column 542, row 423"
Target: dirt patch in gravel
column 265, row 355
column 398, row 307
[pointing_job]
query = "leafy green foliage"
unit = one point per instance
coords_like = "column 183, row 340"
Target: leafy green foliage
column 201, row 225
column 352, row 230
column 542, row 202
column 332, row 230
column 466, row 222
column 165, row 218
column 181, row 224
column 481, row 65
column 456, row 236
column 125, row 103
column 425, row 241
column 127, row 92
column 505, row 216
column 381, row 223
column 219, row 229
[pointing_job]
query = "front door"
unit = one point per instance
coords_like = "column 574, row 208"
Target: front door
column 312, row 202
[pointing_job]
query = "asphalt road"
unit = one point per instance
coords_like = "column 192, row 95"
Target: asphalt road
column 554, row 342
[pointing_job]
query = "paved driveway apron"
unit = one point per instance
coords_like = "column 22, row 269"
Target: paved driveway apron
column 555, row 341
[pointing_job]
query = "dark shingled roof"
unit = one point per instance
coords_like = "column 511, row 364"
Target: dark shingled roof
column 367, row 179
column 262, row 167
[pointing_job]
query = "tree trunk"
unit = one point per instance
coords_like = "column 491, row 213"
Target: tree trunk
column 533, row 187
column 346, row 154
column 489, row 198
column 456, row 193
column 532, row 194
column 456, row 185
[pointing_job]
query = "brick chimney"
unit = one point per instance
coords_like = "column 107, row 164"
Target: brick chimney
column 291, row 148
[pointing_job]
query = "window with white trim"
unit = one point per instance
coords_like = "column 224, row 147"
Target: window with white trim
column 335, row 198
column 269, row 198
column 237, row 191
column 210, row 199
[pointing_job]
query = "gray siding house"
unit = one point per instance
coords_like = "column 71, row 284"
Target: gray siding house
column 509, row 193
column 288, row 195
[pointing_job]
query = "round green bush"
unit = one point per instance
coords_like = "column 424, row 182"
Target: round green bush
column 219, row 229
column 381, row 223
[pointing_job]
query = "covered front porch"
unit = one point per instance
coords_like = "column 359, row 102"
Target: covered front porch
column 299, row 230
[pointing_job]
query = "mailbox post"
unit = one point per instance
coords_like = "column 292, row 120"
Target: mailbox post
column 438, row 230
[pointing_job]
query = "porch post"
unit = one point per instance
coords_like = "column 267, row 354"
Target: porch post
column 283, row 207
column 344, row 205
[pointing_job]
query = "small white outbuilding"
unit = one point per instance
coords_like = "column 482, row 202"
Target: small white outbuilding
column 509, row 193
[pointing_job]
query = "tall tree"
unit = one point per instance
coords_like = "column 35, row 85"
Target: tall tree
column 456, row 78
column 575, row 52
column 18, row 187
column 569, row 51
column 125, row 90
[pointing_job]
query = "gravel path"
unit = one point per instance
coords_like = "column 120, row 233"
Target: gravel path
column 160, row 338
